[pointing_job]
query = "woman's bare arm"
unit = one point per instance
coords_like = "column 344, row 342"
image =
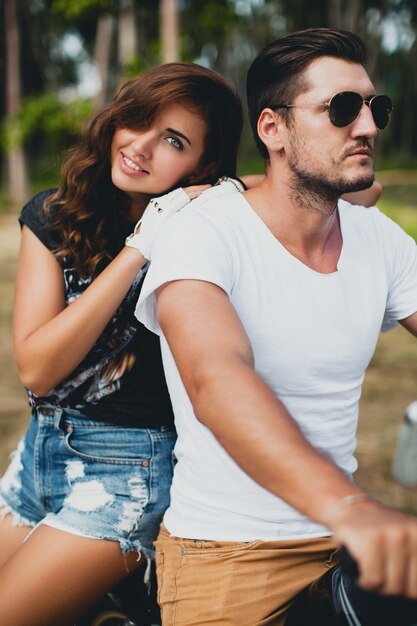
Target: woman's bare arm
column 50, row 338
column 366, row 197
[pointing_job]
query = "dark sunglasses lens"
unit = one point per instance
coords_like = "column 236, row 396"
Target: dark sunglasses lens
column 344, row 108
column 381, row 107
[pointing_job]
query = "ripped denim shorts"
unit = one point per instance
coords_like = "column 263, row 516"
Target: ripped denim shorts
column 90, row 478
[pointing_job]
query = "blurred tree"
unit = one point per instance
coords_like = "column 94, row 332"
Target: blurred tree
column 389, row 28
column 169, row 30
column 16, row 172
column 85, row 48
column 96, row 22
column 210, row 33
column 101, row 56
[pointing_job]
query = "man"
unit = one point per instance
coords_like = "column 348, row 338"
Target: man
column 269, row 305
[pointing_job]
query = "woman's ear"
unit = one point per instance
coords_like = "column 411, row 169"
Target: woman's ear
column 201, row 175
column 271, row 128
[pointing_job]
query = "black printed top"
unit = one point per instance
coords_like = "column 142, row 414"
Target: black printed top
column 121, row 380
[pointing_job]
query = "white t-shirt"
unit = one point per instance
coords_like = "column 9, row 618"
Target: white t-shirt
column 312, row 336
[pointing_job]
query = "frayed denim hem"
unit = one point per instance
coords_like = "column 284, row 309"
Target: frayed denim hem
column 126, row 545
column 17, row 519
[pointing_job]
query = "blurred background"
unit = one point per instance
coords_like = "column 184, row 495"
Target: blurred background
column 60, row 60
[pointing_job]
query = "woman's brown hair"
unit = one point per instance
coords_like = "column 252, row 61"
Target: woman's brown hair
column 88, row 213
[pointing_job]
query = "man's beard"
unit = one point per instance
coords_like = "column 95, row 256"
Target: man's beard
column 311, row 189
column 315, row 190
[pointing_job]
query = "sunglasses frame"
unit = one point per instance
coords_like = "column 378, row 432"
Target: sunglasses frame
column 328, row 107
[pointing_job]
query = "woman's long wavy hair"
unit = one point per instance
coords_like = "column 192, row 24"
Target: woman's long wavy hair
column 88, row 213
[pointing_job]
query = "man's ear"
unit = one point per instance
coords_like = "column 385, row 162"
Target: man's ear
column 198, row 177
column 271, row 130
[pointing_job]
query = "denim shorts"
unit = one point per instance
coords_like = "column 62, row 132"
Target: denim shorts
column 90, row 478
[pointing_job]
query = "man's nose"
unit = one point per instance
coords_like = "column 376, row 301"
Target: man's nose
column 364, row 125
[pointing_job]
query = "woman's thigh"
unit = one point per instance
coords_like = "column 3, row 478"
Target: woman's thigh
column 54, row 577
column 11, row 537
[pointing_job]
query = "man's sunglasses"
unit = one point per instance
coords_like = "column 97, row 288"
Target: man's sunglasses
column 345, row 107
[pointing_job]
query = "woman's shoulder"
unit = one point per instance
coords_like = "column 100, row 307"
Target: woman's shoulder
column 34, row 216
column 34, row 207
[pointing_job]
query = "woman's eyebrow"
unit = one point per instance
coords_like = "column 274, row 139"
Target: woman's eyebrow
column 177, row 132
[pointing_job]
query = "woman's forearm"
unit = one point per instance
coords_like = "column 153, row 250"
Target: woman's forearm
column 52, row 351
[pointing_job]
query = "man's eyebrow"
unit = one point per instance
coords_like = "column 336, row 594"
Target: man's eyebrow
column 177, row 132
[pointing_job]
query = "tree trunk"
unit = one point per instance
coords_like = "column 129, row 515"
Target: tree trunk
column 127, row 34
column 16, row 171
column 353, row 15
column 334, row 14
column 169, row 30
column 102, row 49
column 408, row 122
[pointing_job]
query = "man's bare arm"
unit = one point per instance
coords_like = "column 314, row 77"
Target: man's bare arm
column 410, row 323
column 215, row 361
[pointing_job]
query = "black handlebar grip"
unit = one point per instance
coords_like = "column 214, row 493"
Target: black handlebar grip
column 348, row 563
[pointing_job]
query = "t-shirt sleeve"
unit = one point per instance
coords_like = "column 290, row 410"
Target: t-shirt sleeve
column 189, row 246
column 33, row 217
column 402, row 288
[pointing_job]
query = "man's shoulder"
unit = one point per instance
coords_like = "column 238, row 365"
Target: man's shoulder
column 358, row 214
column 207, row 223
column 370, row 224
column 215, row 201
column 209, row 213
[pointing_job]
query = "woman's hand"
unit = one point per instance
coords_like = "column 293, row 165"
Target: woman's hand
column 160, row 209
column 155, row 214
column 366, row 197
column 195, row 190
column 252, row 180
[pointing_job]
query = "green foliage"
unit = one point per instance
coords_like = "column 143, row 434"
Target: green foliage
column 397, row 161
column 44, row 115
column 223, row 34
column 76, row 8
column 140, row 63
column 133, row 67
column 250, row 161
column 208, row 28
column 399, row 200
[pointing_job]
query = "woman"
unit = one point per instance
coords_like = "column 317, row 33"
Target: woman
column 84, row 495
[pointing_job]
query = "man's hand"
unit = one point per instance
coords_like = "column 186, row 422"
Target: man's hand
column 383, row 543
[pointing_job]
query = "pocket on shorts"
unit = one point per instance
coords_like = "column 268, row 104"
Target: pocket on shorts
column 125, row 446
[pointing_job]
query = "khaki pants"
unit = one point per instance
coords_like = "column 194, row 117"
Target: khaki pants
column 233, row 583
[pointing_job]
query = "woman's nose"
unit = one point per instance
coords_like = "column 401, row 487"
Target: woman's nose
column 142, row 144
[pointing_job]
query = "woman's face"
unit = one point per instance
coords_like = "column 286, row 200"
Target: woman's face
column 151, row 161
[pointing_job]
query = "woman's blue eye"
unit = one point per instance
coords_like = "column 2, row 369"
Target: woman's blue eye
column 174, row 141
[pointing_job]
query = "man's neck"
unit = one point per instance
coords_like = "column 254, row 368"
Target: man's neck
column 306, row 225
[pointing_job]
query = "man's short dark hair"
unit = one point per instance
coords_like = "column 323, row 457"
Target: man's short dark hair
column 277, row 74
